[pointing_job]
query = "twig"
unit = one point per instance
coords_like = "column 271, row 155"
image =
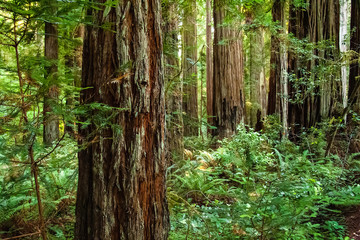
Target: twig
column 179, row 73
column 52, row 150
column 21, row 236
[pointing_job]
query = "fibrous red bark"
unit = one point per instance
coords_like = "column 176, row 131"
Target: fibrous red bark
column 190, row 98
column 121, row 189
column 228, row 97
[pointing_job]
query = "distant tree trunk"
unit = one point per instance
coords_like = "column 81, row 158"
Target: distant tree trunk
column 278, row 82
column 228, row 101
column 330, row 90
column 190, row 99
column 79, row 34
column 121, row 188
column 209, row 65
column 355, row 46
column 319, row 22
column 173, row 83
column 274, row 96
column 74, row 63
column 257, row 75
column 284, row 86
column 51, row 121
column 343, row 46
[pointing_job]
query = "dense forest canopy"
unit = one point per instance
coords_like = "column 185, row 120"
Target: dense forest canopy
column 179, row 119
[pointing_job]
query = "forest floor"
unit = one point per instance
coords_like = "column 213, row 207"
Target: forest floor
column 352, row 217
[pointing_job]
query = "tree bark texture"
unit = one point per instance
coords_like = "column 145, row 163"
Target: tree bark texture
column 190, row 99
column 121, row 188
column 319, row 22
column 173, row 83
column 355, row 46
column 278, row 81
column 228, row 101
column 209, row 66
column 258, row 91
column 51, row 121
column 344, row 47
column 274, row 97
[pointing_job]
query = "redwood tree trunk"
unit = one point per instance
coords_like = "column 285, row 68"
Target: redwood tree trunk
column 190, row 100
column 51, row 121
column 228, row 102
column 257, row 78
column 209, row 66
column 319, row 22
column 173, row 83
column 274, row 96
column 121, row 189
column 278, row 82
column 355, row 46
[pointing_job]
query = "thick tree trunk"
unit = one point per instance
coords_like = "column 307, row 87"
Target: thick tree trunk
column 257, row 78
column 355, row 46
column 320, row 22
column 330, row 90
column 209, row 66
column 278, row 82
column 274, row 106
column 51, row 121
column 228, row 101
column 190, row 100
column 173, row 83
column 121, row 189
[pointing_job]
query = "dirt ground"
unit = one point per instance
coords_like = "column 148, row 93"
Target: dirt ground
column 353, row 222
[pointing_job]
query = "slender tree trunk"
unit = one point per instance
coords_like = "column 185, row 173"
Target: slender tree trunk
column 284, row 85
column 190, row 100
column 209, row 65
column 34, row 165
column 228, row 101
column 173, row 83
column 51, row 121
column 121, row 189
column 343, row 46
column 355, row 46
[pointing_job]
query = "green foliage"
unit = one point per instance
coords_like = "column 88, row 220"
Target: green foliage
column 22, row 31
column 254, row 187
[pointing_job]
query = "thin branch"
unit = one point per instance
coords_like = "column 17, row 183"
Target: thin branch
column 22, row 236
column 179, row 73
column 19, row 162
column 7, row 44
column 8, row 37
column 24, row 31
column 52, row 150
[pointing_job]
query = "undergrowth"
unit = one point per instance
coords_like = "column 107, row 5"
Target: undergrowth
column 256, row 186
